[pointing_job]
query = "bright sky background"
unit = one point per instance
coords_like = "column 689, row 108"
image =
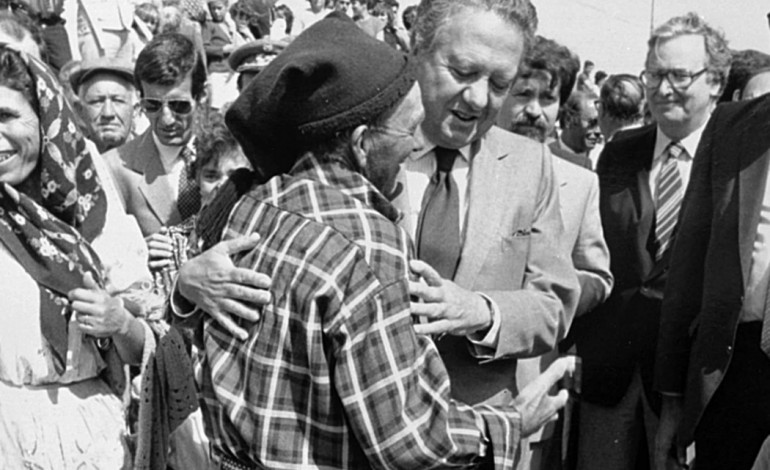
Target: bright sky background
column 613, row 33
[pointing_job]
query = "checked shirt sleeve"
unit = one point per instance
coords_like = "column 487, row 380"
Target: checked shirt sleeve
column 395, row 390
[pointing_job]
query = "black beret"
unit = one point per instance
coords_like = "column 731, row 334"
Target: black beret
column 331, row 78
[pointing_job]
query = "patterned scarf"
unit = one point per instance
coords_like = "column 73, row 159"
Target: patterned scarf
column 48, row 220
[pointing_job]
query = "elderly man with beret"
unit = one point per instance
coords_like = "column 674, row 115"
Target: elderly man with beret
column 333, row 374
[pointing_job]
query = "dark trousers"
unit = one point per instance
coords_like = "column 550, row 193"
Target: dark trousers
column 737, row 419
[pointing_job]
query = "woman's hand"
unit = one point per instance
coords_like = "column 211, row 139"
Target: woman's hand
column 97, row 313
column 161, row 250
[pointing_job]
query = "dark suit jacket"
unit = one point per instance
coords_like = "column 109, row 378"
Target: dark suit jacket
column 621, row 334
column 144, row 184
column 711, row 257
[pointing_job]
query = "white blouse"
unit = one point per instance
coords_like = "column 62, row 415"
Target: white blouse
column 25, row 356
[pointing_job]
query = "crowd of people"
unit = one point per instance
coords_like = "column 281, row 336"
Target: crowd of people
column 345, row 234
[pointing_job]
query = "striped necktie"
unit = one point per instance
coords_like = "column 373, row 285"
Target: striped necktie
column 438, row 230
column 669, row 198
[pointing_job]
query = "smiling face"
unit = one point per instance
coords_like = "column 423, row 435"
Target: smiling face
column 532, row 106
column 171, row 128
column 466, row 74
column 19, row 137
column 680, row 111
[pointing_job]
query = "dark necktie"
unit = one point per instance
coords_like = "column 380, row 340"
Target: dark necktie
column 188, row 200
column 438, row 229
column 669, row 200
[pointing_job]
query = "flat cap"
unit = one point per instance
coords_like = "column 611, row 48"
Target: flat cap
column 109, row 65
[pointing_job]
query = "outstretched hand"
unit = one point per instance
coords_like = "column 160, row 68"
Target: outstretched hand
column 535, row 404
column 215, row 285
column 447, row 307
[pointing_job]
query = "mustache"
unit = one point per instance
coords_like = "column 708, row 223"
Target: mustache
column 534, row 128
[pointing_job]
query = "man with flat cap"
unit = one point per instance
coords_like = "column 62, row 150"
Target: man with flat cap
column 106, row 101
column 249, row 59
column 333, row 374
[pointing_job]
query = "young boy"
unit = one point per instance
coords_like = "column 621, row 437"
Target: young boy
column 220, row 38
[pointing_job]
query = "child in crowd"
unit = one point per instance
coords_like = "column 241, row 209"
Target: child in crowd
column 220, row 38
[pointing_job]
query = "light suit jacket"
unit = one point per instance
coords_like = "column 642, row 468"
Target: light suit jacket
column 579, row 198
column 143, row 183
column 513, row 252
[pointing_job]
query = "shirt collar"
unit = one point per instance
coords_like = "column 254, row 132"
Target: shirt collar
column 465, row 152
column 337, row 174
column 169, row 153
column 690, row 143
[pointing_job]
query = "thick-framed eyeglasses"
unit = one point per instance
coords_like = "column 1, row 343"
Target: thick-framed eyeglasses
column 678, row 79
column 180, row 107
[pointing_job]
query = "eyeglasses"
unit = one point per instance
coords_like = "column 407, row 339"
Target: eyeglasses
column 678, row 79
column 154, row 105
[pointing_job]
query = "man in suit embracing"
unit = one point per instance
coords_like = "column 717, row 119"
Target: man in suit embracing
column 643, row 174
column 482, row 203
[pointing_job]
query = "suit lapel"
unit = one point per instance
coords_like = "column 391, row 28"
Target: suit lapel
column 484, row 211
column 155, row 184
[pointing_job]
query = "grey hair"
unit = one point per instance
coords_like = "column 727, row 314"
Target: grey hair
column 719, row 55
column 432, row 14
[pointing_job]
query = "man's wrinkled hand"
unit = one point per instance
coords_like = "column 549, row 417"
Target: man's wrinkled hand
column 536, row 406
column 447, row 307
column 215, row 285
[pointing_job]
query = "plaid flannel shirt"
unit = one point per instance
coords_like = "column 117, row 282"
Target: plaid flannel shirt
column 333, row 375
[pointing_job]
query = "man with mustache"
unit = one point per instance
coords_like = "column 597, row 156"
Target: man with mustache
column 532, row 107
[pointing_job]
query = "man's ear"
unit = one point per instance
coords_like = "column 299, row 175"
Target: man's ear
column 359, row 145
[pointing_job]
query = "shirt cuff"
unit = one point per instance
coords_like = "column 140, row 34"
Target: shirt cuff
column 483, row 347
column 180, row 306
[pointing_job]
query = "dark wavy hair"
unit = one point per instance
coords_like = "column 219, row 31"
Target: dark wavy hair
column 15, row 75
column 557, row 60
column 167, row 60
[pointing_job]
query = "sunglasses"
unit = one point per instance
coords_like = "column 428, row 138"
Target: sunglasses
column 154, row 105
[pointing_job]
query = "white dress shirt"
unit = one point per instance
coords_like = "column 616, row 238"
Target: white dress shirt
column 418, row 170
column 173, row 163
column 690, row 144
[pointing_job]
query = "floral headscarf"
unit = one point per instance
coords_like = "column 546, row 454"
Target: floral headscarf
column 48, row 220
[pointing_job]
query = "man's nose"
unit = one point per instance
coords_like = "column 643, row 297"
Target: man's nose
column 476, row 94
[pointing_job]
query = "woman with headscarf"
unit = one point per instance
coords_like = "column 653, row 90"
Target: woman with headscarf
column 73, row 284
